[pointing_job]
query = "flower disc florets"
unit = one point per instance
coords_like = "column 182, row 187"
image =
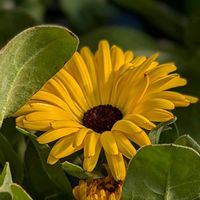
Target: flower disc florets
column 101, row 118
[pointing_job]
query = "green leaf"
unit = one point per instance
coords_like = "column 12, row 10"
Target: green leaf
column 29, row 60
column 155, row 134
column 186, row 140
column 79, row 172
column 7, row 154
column 10, row 190
column 38, row 183
column 126, row 38
column 163, row 172
column 54, row 172
column 84, row 15
column 20, row 20
column 36, row 8
column 157, row 14
column 19, row 193
column 193, row 31
column 16, row 139
column 5, row 179
column 5, row 196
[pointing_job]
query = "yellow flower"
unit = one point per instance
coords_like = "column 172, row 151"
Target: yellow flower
column 105, row 100
column 98, row 189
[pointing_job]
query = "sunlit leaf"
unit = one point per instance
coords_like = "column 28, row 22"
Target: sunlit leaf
column 29, row 60
column 19, row 193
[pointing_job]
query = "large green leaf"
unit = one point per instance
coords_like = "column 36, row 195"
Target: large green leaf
column 16, row 139
column 7, row 154
column 37, row 181
column 157, row 14
column 85, row 15
column 126, row 38
column 163, row 172
column 20, row 20
column 29, row 60
column 55, row 173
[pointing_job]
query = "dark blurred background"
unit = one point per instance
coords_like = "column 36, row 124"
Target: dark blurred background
column 144, row 26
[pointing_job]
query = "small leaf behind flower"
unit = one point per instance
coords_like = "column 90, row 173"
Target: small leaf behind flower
column 154, row 135
column 188, row 141
column 79, row 172
column 29, row 60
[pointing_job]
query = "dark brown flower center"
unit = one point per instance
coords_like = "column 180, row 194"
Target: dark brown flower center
column 101, row 118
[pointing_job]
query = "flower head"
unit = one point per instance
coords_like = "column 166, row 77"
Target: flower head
column 106, row 188
column 107, row 100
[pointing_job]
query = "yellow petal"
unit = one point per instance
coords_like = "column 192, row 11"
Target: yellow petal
column 137, row 61
column 90, row 143
column 52, row 160
column 140, row 71
column 23, row 110
column 191, row 98
column 116, row 166
column 128, row 56
column 89, row 60
column 108, row 142
column 126, row 126
column 19, row 121
column 176, row 98
column 80, row 136
column 39, row 125
column 89, row 163
column 80, row 191
column 140, row 121
column 138, row 93
column 160, row 71
column 51, row 99
column 53, row 135
column 135, row 133
column 64, row 147
column 82, row 77
column 117, row 57
column 168, row 82
column 57, row 87
column 73, row 88
column 155, row 103
column 124, row 145
column 48, row 115
column 65, row 124
column 158, row 115
column 104, row 69
column 112, row 197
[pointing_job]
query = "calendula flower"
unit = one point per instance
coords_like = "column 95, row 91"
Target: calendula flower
column 107, row 100
column 97, row 189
